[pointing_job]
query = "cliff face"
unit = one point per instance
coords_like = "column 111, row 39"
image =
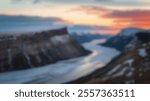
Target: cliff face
column 133, row 65
column 122, row 38
column 38, row 49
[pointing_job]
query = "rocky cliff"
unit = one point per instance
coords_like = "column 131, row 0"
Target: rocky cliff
column 33, row 50
column 131, row 66
column 122, row 38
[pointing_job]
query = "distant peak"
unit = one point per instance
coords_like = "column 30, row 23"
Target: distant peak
column 132, row 28
column 130, row 31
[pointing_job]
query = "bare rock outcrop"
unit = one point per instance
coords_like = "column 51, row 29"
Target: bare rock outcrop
column 37, row 49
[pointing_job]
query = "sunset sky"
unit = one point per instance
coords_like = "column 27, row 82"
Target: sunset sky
column 103, row 16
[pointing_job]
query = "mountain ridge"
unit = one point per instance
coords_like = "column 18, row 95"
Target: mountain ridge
column 130, row 67
column 123, row 38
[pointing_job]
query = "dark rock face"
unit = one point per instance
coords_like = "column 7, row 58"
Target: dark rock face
column 144, row 37
column 39, row 49
column 123, row 38
column 118, row 42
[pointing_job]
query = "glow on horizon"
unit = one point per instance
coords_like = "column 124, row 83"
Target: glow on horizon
column 63, row 12
column 71, row 16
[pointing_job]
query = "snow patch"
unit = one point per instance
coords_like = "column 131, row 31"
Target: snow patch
column 114, row 70
column 142, row 52
column 130, row 73
column 130, row 61
column 60, row 39
column 120, row 73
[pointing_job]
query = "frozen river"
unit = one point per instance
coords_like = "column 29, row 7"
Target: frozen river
column 64, row 71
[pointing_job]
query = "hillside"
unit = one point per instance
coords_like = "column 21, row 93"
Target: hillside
column 32, row 50
column 131, row 66
column 122, row 38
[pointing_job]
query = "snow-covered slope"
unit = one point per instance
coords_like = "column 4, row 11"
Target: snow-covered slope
column 129, row 31
column 64, row 71
column 132, row 67
column 123, row 38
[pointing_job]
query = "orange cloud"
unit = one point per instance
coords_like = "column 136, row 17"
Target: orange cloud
column 121, row 18
column 130, row 18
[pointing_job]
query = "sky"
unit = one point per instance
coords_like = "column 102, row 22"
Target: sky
column 99, row 16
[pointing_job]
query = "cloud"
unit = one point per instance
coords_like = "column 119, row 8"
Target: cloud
column 92, row 9
column 130, row 18
column 55, row 1
column 29, row 19
column 28, row 23
column 128, row 13
column 96, row 2
column 120, row 18
column 18, row 1
column 124, row 2
column 32, row 23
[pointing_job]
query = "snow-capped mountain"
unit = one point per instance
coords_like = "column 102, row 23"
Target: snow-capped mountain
column 129, row 31
column 123, row 38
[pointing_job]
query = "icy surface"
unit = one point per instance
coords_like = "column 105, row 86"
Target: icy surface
column 64, row 71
